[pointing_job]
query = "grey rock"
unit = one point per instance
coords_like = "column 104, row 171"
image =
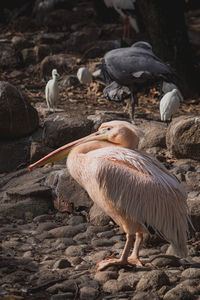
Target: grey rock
column 183, row 138
column 17, row 117
column 112, row 286
column 62, row 296
column 61, row 62
column 74, row 251
column 67, row 189
column 65, row 286
column 88, row 292
column 191, row 273
column 68, row 81
column 28, row 56
column 165, row 260
column 62, row 264
column 74, row 260
column 106, row 234
column 10, row 162
column 102, row 242
column 145, row 296
column 8, row 58
column 129, row 280
column 178, row 293
column 153, row 280
column 46, row 226
column 65, row 241
column 97, row 256
column 155, row 136
column 93, row 230
column 105, row 276
column 19, row 42
column 80, row 40
column 194, row 208
column 67, row 231
column 35, row 206
column 42, row 218
column 60, row 129
column 49, row 38
column 75, row 220
column 41, row 51
column 98, row 217
column 193, row 179
column 38, row 150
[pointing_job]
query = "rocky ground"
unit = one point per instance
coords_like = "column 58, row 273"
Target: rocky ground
column 52, row 235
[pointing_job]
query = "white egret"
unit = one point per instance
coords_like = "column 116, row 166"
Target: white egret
column 85, row 77
column 52, row 91
column 169, row 104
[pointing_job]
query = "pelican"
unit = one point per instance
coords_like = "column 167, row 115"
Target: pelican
column 51, row 91
column 132, row 187
column 169, row 104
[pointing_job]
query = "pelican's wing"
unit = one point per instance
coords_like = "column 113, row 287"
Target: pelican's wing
column 143, row 188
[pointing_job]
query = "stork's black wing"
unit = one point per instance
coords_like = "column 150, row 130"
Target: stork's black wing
column 136, row 64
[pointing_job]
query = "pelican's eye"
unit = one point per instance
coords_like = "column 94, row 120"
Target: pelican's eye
column 108, row 128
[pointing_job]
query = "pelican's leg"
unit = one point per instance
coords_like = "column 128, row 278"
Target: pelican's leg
column 118, row 261
column 134, row 258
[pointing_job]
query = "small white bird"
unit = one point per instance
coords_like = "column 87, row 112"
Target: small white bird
column 85, row 77
column 51, row 91
column 169, row 104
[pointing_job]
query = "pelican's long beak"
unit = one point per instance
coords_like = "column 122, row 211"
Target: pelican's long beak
column 64, row 150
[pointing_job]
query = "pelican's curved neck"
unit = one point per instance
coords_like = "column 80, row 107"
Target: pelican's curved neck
column 90, row 146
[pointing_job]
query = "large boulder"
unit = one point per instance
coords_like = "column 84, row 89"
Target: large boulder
column 183, row 137
column 60, row 129
column 22, row 192
column 68, row 194
column 193, row 202
column 8, row 57
column 14, row 154
column 155, row 135
column 62, row 62
column 17, row 117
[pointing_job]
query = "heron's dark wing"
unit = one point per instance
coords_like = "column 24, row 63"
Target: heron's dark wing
column 115, row 92
column 121, row 64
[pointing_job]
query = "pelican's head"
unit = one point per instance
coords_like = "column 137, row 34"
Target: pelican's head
column 122, row 133
column 117, row 133
column 55, row 73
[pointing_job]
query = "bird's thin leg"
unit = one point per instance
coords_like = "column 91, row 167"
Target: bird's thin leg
column 134, row 101
column 118, row 261
column 125, row 27
column 128, row 29
column 88, row 91
column 134, row 258
column 124, row 30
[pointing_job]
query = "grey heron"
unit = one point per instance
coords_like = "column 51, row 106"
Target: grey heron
column 135, row 67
